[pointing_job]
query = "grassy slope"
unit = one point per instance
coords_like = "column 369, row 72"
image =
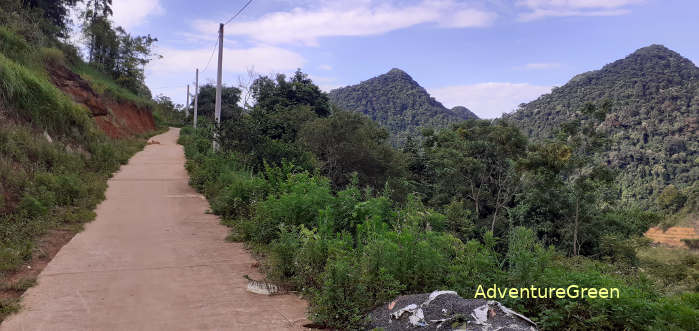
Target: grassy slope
column 47, row 185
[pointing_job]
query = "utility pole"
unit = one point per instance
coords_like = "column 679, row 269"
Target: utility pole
column 196, row 98
column 218, row 83
column 186, row 108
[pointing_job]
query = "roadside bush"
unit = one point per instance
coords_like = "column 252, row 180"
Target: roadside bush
column 342, row 299
column 302, row 197
column 241, row 192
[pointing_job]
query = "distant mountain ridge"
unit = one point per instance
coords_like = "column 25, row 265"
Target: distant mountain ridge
column 398, row 103
column 653, row 124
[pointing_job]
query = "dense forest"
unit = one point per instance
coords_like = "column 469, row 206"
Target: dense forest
column 338, row 214
column 399, row 104
column 651, row 128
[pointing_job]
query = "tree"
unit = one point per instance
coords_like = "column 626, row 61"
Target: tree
column 587, row 177
column 349, row 142
column 133, row 53
column 95, row 23
column 268, row 131
column 271, row 94
column 207, row 102
column 56, row 13
column 671, row 199
column 113, row 50
column 542, row 203
column 475, row 160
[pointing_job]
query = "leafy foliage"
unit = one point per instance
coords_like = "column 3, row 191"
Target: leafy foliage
column 348, row 143
column 115, row 51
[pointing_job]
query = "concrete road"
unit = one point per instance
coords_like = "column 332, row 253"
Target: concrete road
column 153, row 260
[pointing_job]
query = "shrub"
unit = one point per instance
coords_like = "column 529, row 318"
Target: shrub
column 241, row 192
column 302, row 197
column 341, row 301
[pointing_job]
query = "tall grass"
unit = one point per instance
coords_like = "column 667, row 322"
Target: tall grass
column 101, row 83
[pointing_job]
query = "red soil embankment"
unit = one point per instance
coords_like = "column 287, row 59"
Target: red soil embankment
column 673, row 236
column 116, row 119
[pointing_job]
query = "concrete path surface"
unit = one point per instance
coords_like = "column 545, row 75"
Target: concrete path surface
column 153, row 260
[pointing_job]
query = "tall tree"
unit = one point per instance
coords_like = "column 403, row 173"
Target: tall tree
column 56, row 12
column 96, row 24
column 586, row 177
column 347, row 143
column 474, row 160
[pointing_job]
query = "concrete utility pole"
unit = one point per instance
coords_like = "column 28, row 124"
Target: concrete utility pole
column 186, row 108
column 196, row 98
column 218, row 82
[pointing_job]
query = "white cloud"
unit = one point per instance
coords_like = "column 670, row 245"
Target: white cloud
column 468, row 18
column 325, row 83
column 541, row 66
column 130, row 13
column 325, row 67
column 237, row 60
column 307, row 25
column 560, row 8
column 488, row 100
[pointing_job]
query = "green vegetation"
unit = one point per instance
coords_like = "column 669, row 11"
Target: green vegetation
column 114, row 51
column 654, row 94
column 166, row 113
column 398, row 103
column 45, row 183
column 54, row 160
column 340, row 216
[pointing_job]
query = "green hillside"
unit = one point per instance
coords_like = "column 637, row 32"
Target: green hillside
column 399, row 104
column 652, row 126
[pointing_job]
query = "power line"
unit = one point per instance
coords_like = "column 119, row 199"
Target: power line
column 238, row 13
column 213, row 50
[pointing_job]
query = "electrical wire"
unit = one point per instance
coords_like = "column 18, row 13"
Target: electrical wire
column 213, row 50
column 238, row 13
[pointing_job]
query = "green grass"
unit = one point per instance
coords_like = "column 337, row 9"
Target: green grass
column 101, row 83
column 8, row 307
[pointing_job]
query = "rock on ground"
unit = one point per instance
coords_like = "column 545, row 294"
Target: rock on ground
column 446, row 310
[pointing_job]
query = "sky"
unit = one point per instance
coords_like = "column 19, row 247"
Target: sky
column 488, row 56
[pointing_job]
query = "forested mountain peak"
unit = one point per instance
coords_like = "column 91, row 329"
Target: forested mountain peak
column 658, row 55
column 463, row 112
column 397, row 102
column 396, row 72
column 652, row 125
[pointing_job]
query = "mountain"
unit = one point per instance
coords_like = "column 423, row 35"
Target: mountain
column 653, row 123
column 463, row 112
column 398, row 103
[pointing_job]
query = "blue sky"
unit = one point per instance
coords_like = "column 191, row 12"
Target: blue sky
column 486, row 55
